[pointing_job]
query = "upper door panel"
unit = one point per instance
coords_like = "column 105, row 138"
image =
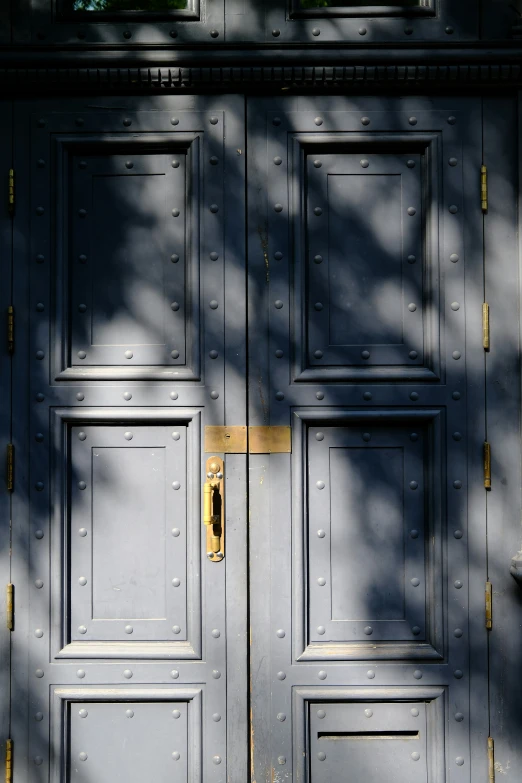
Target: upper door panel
column 127, row 22
column 355, row 21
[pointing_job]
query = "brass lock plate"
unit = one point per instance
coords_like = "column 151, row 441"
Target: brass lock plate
column 214, row 508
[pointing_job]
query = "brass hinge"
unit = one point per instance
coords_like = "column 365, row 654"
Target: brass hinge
column 11, row 192
column 10, row 329
column 487, row 466
column 491, row 760
column 251, row 440
column 484, row 188
column 10, row 467
column 9, row 601
column 8, row 761
column 489, row 605
column 485, row 326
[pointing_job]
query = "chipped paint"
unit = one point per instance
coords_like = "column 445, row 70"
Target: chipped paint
column 502, row 770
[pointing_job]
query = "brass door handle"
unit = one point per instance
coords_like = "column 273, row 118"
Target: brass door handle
column 214, row 509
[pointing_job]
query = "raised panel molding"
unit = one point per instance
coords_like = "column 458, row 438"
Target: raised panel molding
column 111, row 640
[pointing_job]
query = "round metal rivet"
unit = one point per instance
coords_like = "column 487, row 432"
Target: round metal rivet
column 318, row 120
column 319, row 395
column 176, row 629
column 127, row 674
column 82, row 532
column 40, row 355
column 318, row 259
column 457, row 584
column 82, row 629
column 276, row 120
column 456, row 354
column 411, row 259
column 321, row 581
column 452, row 120
column 453, row 161
column 281, row 716
column 412, row 211
column 216, row 634
column 457, row 484
column 83, row 756
column 214, row 208
column 175, row 532
column 320, row 484
column 40, row 307
column 365, row 163
column 365, row 120
column 459, row 761
column 83, row 713
column 281, row 760
column 129, row 164
column 454, row 258
column 321, row 755
column 414, row 437
column 173, row 33
column 216, row 674
column 365, row 354
column 278, row 161
column 174, row 306
column 127, row 121
column 213, row 256
column 317, row 164
column 415, row 756
column 82, row 355
column 412, row 307
column 316, row 31
column 448, row 30
column 176, row 582
column 322, row 675
column 279, row 396
column 216, row 717
column 455, row 306
column 415, row 582
column 321, row 533
column 321, row 714
column 82, row 581
column 176, row 755
column 174, row 258
column 412, row 120
column 278, row 304
column 318, row 354
column 368, row 630
column 127, row 396
column 129, row 713
column 175, row 212
column 82, row 485
column 413, row 485
column 414, row 533
column 458, row 534
column 362, row 31
column 408, row 30
column 368, row 713
column 281, row 676
column 80, row 674
column 176, row 714
column 38, row 534
column 457, row 633
column 415, row 712
column 39, row 486
column 174, row 354
column 318, row 211
column 38, row 760
column 321, row 630
column 457, row 436
column 129, row 629
column 174, row 121
column 318, row 306
column 278, row 255
column 40, row 210
column 410, row 164
column 456, row 395
column 453, row 209
column 173, row 395
column 278, row 207
column 216, row 759
column 417, row 674
column 39, row 437
column 38, row 633
column 213, row 354
column 367, row 396
column 280, row 633
column 128, row 354
column 40, row 259
column 214, row 395
column 319, row 435
column 41, row 123
column 82, row 213
column 214, row 34
column 459, row 717
column 39, row 673
column 414, row 396
column 370, row 674
column 415, row 630
column 174, row 674
column 176, row 485
column 38, row 583
column 458, row 674
column 80, row 396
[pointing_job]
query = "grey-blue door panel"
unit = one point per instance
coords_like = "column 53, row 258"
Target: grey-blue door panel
column 366, row 293
column 123, row 239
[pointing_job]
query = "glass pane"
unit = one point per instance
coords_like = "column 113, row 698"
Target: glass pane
column 125, row 5
column 357, row 3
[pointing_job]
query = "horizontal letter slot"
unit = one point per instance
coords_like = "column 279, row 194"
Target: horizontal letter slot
column 362, row 735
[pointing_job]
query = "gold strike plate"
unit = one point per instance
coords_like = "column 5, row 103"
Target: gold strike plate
column 10, row 607
column 270, row 440
column 227, row 440
column 487, row 465
column 489, row 605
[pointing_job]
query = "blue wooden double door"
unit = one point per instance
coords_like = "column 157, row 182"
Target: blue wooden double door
column 187, row 268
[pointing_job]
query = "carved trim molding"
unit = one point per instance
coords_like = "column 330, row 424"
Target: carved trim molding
column 245, row 78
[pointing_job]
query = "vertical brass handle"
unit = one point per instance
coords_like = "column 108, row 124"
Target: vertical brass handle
column 214, row 509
